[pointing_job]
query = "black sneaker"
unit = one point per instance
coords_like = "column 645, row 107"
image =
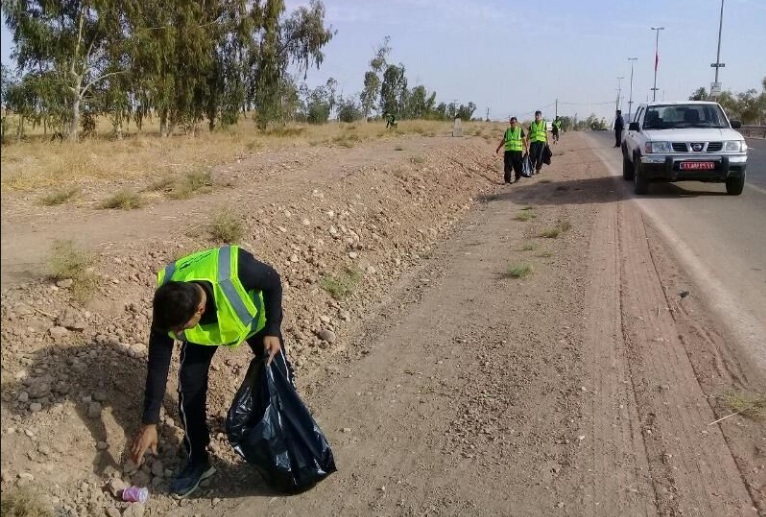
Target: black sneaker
column 190, row 477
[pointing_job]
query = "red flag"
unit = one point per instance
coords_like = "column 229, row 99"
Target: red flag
column 656, row 60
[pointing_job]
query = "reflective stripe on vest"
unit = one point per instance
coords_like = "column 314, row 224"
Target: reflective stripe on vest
column 537, row 132
column 240, row 314
column 513, row 139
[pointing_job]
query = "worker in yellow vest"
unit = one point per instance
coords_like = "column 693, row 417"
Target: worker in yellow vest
column 513, row 141
column 537, row 139
column 213, row 298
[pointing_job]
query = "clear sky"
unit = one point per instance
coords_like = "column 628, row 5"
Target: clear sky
column 514, row 57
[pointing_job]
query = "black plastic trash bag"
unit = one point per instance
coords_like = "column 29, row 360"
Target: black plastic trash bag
column 270, row 427
column 547, row 155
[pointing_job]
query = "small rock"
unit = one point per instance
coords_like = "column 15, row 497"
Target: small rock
column 560, row 504
column 23, row 396
column 344, row 315
column 327, row 336
column 111, row 511
column 216, row 500
column 353, row 254
column 94, row 410
column 294, row 258
column 158, row 469
column 65, row 283
column 346, row 430
column 306, row 222
column 137, row 350
column 684, row 294
column 115, row 486
column 99, row 396
column 581, row 437
column 71, row 320
column 26, row 476
column 140, row 478
column 129, row 467
column 371, row 270
column 102, row 446
column 282, row 229
column 29, row 433
column 134, row 510
column 324, row 318
column 35, row 407
column 58, row 333
column 39, row 390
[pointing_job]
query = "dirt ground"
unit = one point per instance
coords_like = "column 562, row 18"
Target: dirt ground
column 446, row 386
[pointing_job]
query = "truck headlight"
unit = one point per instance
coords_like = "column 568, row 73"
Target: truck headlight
column 735, row 146
column 658, row 147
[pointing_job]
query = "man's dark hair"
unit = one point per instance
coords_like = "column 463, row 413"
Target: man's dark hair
column 538, row 112
column 174, row 304
column 514, row 119
column 619, row 112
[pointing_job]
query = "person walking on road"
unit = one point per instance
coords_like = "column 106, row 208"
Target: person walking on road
column 556, row 129
column 212, row 298
column 513, row 141
column 537, row 140
column 619, row 125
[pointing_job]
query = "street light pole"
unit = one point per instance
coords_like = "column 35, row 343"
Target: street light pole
column 656, row 59
column 619, row 92
column 630, row 100
column 716, row 87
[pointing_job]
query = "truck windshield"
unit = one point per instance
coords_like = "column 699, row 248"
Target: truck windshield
column 676, row 116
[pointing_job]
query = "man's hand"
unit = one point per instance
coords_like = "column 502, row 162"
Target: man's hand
column 272, row 346
column 146, row 439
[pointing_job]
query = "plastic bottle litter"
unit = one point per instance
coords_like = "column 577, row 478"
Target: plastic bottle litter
column 135, row 494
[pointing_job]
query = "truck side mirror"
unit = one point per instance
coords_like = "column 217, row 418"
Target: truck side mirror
column 736, row 124
column 633, row 126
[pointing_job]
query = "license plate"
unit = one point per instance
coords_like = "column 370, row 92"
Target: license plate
column 697, row 166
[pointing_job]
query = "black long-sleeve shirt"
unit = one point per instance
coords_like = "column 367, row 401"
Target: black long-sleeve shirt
column 254, row 275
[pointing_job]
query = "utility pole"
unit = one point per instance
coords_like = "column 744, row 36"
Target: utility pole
column 619, row 92
column 630, row 100
column 656, row 59
column 557, row 108
column 715, row 88
column 487, row 119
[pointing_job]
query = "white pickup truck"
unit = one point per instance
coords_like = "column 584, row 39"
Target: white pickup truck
column 684, row 141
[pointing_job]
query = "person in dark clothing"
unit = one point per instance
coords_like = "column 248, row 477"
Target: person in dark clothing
column 513, row 141
column 619, row 125
column 537, row 140
column 213, row 298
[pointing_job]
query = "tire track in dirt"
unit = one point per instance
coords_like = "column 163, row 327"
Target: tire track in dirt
column 691, row 465
column 618, row 477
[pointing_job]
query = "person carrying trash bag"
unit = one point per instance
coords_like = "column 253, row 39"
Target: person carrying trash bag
column 513, row 141
column 269, row 426
column 212, row 298
column 537, row 139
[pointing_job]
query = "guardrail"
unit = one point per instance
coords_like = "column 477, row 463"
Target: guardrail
column 753, row 131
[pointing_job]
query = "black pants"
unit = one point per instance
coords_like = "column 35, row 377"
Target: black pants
column 617, row 137
column 536, row 154
column 512, row 162
column 192, row 390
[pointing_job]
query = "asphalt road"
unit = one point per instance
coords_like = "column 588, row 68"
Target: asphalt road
column 720, row 240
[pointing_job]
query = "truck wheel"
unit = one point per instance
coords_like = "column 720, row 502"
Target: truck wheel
column 735, row 185
column 627, row 168
column 640, row 183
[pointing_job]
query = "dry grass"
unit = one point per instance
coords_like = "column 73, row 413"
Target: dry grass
column 60, row 196
column 37, row 162
column 562, row 226
column 525, row 215
column 67, row 261
column 226, row 227
column 342, row 285
column 124, row 199
column 24, row 502
column 418, row 160
column 195, row 182
column 518, row 270
column 530, row 246
column 546, row 254
column 750, row 406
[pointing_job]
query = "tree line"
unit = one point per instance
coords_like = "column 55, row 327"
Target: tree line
column 749, row 106
column 187, row 63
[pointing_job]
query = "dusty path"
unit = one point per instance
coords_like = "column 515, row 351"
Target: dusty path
column 580, row 390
